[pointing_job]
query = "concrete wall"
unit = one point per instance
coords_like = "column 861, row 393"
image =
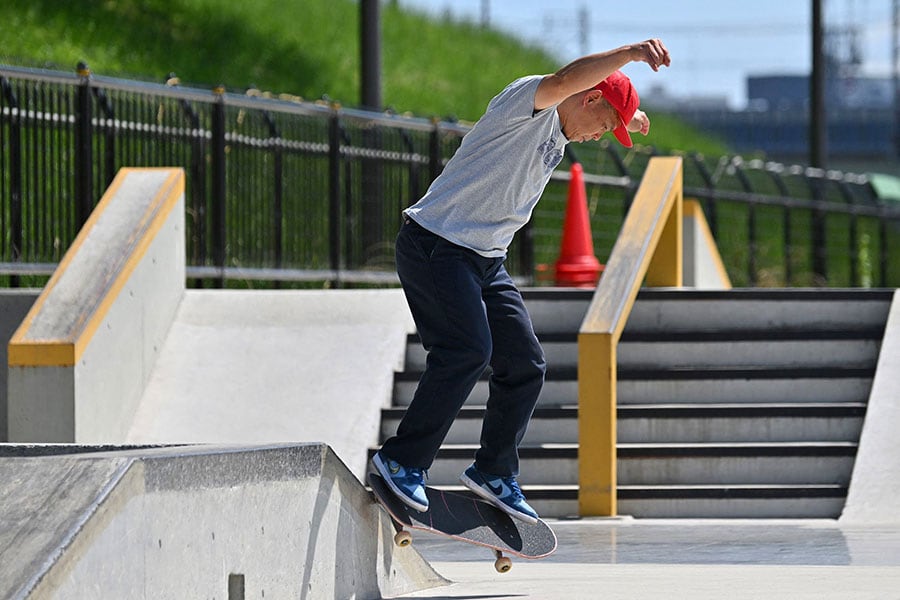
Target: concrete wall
column 14, row 305
column 282, row 521
column 79, row 361
column 875, row 483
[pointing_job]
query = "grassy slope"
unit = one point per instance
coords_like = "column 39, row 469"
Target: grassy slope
column 309, row 48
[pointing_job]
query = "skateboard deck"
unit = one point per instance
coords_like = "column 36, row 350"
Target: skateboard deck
column 468, row 520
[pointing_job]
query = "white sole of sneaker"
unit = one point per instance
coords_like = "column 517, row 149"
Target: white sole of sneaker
column 385, row 473
column 484, row 494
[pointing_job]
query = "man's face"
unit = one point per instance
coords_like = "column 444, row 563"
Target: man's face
column 594, row 117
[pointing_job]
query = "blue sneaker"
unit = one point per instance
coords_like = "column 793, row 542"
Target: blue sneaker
column 407, row 484
column 502, row 492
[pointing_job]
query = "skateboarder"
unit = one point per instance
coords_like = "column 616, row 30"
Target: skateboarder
column 450, row 253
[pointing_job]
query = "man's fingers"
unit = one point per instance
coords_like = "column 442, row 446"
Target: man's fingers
column 656, row 54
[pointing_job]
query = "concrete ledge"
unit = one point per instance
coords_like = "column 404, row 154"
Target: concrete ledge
column 875, row 483
column 703, row 266
column 110, row 302
column 283, row 521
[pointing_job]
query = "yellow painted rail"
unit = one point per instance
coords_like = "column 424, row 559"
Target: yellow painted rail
column 96, row 268
column 648, row 250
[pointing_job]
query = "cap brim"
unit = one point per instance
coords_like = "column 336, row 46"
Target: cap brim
column 623, row 136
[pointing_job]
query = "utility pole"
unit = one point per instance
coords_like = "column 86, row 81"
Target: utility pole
column 584, row 27
column 818, row 131
column 895, row 70
column 370, row 53
column 818, row 140
column 372, row 226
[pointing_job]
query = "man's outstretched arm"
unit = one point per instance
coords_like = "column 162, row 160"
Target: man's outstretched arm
column 586, row 72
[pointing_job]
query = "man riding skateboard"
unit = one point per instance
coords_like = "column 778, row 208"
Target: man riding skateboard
column 450, row 253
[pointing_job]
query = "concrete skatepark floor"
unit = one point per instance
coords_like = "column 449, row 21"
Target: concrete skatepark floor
column 697, row 559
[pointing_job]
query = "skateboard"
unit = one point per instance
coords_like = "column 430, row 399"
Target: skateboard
column 466, row 519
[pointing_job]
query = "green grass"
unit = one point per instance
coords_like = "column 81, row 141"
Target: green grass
column 430, row 67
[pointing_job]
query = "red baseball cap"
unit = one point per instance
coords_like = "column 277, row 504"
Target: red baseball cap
column 620, row 93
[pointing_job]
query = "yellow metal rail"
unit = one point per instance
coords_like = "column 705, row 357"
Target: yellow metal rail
column 648, row 249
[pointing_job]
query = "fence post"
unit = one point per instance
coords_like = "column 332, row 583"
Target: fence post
column 278, row 192
column 108, row 130
column 196, row 182
column 752, row 241
column 775, row 175
column 15, row 177
column 709, row 207
column 884, row 254
column 334, row 192
column 819, row 250
column 218, row 183
column 84, row 159
column 434, row 151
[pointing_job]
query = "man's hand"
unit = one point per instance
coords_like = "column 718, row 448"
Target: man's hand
column 653, row 52
column 639, row 122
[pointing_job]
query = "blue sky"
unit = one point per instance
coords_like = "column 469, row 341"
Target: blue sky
column 714, row 45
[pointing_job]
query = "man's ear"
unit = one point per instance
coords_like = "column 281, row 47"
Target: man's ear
column 591, row 96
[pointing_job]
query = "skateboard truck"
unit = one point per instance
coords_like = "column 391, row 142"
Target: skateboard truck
column 403, row 539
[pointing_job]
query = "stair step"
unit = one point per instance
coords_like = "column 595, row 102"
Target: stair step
column 676, row 423
column 688, row 385
column 742, row 372
column 771, row 501
column 569, row 373
column 772, row 310
column 633, row 492
column 670, row 464
column 714, row 350
column 731, row 404
column 825, row 490
column 729, row 334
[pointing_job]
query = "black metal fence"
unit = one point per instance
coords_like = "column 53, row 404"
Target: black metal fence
column 283, row 192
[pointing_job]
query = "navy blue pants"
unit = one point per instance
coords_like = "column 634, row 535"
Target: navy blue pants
column 469, row 315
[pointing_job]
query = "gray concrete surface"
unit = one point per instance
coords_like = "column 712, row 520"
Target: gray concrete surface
column 875, row 483
column 110, row 302
column 244, row 367
column 14, row 305
column 287, row 521
column 702, row 264
column 683, row 559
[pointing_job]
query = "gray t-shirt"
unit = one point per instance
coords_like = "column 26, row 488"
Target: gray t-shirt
column 489, row 188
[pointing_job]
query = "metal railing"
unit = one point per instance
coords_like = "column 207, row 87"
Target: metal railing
column 295, row 190
column 286, row 192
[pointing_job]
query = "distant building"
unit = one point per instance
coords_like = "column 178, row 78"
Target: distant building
column 791, row 92
column 776, row 121
column 659, row 98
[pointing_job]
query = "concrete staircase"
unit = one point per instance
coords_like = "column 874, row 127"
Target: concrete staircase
column 746, row 403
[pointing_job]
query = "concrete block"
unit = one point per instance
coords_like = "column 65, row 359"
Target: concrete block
column 79, row 361
column 282, row 521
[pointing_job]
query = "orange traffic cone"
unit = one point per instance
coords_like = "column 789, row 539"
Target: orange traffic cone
column 577, row 266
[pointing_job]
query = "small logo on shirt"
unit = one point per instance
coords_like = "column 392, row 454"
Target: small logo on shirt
column 551, row 155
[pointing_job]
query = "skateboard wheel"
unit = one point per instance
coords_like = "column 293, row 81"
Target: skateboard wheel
column 402, row 539
column 503, row 564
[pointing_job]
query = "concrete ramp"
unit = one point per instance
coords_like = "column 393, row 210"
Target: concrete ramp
column 283, row 521
column 251, row 367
